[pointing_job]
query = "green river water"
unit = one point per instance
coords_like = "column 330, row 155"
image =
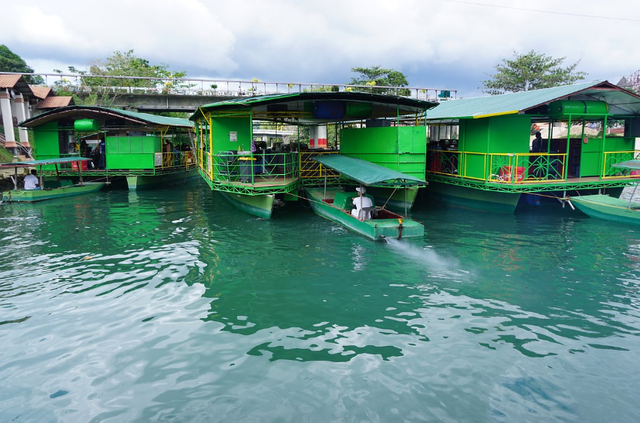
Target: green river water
column 169, row 305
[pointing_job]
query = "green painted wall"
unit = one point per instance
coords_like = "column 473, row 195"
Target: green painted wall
column 475, row 134
column 619, row 144
column 45, row 144
column 590, row 157
column 401, row 148
column 130, row 161
column 509, row 134
column 131, row 152
column 499, row 134
column 222, row 128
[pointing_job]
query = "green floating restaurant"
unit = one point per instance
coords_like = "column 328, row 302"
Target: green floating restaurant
column 498, row 152
column 256, row 174
column 139, row 149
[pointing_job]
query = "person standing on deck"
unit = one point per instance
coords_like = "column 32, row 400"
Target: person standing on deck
column 103, row 158
column 538, row 144
column 361, row 202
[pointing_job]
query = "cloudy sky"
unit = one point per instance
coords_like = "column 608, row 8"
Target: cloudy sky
column 445, row 44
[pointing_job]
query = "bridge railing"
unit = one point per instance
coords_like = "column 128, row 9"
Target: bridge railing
column 88, row 83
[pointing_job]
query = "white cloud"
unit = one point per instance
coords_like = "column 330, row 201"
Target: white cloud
column 288, row 40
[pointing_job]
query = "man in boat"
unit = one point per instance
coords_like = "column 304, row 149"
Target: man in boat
column 362, row 205
column 31, row 181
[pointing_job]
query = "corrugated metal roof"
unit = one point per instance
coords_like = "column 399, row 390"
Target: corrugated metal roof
column 474, row 108
column 79, row 112
column 406, row 104
column 55, row 102
column 43, row 162
column 155, row 119
column 365, row 172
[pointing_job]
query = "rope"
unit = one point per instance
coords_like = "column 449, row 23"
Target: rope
column 394, row 191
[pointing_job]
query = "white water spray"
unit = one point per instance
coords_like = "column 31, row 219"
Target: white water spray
column 435, row 262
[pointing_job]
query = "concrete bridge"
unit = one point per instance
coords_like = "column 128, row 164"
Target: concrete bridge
column 187, row 94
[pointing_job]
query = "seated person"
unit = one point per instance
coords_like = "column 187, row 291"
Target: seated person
column 31, row 181
column 360, row 202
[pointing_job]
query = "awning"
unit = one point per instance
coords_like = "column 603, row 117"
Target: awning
column 629, row 164
column 365, row 172
column 30, row 163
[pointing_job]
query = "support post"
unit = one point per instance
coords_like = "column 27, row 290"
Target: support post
column 7, row 120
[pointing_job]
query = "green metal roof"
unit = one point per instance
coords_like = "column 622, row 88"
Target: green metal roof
column 619, row 100
column 365, row 172
column 158, row 120
column 76, row 112
column 43, row 162
column 405, row 104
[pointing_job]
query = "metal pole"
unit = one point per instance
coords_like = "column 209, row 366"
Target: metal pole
column 633, row 193
column 324, row 196
column 80, row 172
column 405, row 201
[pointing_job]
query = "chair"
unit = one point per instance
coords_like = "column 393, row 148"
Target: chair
column 367, row 213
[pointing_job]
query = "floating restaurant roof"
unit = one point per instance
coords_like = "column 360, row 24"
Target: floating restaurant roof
column 365, row 172
column 385, row 105
column 43, row 162
column 78, row 112
column 621, row 101
column 54, row 102
column 17, row 83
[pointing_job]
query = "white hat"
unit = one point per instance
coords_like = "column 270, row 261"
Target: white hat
column 361, row 190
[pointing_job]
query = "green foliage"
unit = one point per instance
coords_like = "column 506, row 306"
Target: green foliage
column 102, row 85
column 5, row 155
column 11, row 62
column 531, row 71
column 376, row 76
column 322, row 89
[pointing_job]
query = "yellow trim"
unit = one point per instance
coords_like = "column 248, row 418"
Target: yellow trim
column 512, row 112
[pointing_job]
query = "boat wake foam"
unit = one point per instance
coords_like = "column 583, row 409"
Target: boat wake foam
column 430, row 258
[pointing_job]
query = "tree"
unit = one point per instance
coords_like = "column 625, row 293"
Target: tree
column 103, row 87
column 531, row 71
column 11, row 62
column 376, row 76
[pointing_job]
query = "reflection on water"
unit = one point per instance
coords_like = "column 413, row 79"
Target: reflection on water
column 170, row 305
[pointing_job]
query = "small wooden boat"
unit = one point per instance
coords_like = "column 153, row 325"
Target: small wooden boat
column 611, row 208
column 335, row 204
column 608, row 208
column 52, row 189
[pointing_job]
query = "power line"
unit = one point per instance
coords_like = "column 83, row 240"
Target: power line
column 542, row 11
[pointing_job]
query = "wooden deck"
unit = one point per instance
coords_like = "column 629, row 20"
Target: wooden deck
column 589, row 179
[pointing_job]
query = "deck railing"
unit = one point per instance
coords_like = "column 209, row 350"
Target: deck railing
column 311, row 170
column 613, row 157
column 255, row 169
column 498, row 167
column 519, row 168
column 527, row 167
column 175, row 159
